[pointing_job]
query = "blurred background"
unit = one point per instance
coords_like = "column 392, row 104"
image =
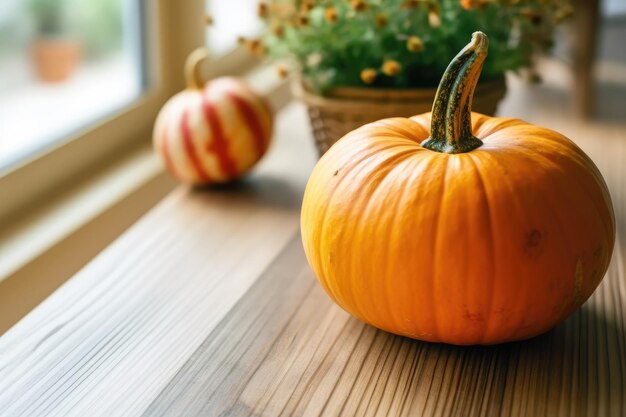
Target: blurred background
column 63, row 64
column 67, row 63
column 81, row 83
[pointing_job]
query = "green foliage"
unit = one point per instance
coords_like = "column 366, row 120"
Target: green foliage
column 50, row 16
column 96, row 23
column 333, row 52
column 99, row 24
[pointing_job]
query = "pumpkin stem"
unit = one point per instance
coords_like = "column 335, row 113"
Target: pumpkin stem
column 451, row 123
column 192, row 68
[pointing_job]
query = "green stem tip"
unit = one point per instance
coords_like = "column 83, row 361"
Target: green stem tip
column 451, row 123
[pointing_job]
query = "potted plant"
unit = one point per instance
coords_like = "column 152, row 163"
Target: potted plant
column 55, row 53
column 362, row 60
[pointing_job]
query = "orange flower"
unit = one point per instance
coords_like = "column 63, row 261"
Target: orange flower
column 358, row 5
column 282, row 72
column 330, row 13
column 391, row 67
column 303, row 20
column 277, row 30
column 468, row 4
column 414, row 44
column 255, row 46
column 472, row 4
column 262, row 10
column 368, row 75
column 434, row 7
column 307, row 5
column 381, row 20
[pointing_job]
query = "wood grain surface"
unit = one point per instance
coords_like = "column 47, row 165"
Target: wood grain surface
column 286, row 349
column 207, row 307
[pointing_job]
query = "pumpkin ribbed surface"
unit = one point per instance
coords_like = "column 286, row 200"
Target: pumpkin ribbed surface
column 497, row 244
column 456, row 227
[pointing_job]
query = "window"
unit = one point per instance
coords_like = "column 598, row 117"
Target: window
column 159, row 33
column 63, row 65
column 44, row 192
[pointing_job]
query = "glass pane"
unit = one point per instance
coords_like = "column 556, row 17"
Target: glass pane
column 231, row 19
column 63, row 65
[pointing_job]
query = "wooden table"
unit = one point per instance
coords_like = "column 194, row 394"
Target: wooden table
column 207, row 307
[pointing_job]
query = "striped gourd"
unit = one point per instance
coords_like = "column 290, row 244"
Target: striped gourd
column 214, row 132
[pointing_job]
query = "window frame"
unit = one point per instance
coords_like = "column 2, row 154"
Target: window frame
column 170, row 30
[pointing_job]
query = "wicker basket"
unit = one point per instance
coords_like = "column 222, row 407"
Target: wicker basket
column 347, row 108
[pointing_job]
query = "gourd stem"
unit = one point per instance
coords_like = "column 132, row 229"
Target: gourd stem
column 192, row 68
column 451, row 123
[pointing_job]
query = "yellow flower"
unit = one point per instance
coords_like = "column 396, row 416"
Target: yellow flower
column 434, row 8
column 282, row 72
column 255, row 46
column 358, row 5
column 307, row 5
column 414, row 44
column 471, row 4
column 368, row 75
column 468, row 4
column 262, row 10
column 330, row 13
column 391, row 67
column 277, row 30
column 433, row 19
column 381, row 20
column 303, row 20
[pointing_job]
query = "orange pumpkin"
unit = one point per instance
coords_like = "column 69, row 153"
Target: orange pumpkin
column 456, row 227
column 212, row 133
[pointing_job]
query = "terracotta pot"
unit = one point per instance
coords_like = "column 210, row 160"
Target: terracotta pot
column 346, row 108
column 56, row 59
